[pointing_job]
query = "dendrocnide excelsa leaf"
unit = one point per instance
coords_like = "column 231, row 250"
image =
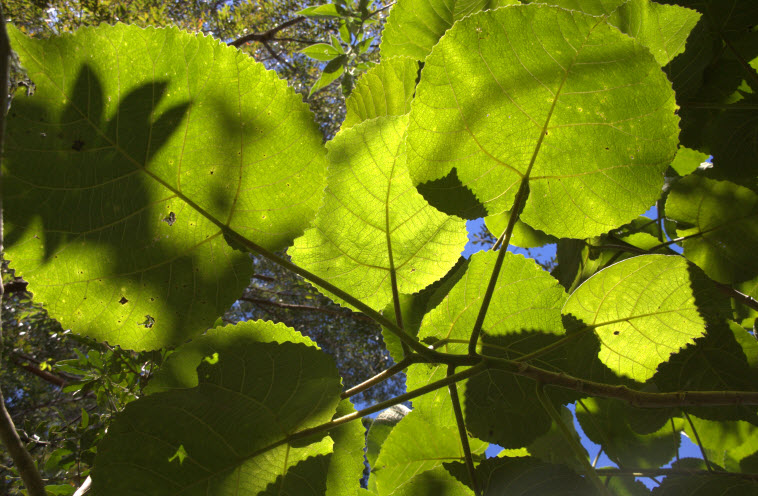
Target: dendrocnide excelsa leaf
column 581, row 108
column 719, row 220
column 523, row 316
column 138, row 150
column 385, row 89
column 225, row 431
column 373, row 221
column 415, row 26
column 642, row 309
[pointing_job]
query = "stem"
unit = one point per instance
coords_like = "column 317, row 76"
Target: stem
column 451, row 379
column 597, row 457
column 380, row 377
column 675, row 435
column 313, row 278
column 577, row 448
column 463, row 433
column 506, row 237
column 699, row 443
column 21, row 458
column 652, row 472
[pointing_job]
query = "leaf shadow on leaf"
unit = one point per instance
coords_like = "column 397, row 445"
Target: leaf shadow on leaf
column 111, row 205
column 307, row 477
column 447, row 194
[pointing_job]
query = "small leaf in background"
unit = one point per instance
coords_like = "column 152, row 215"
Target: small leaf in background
column 332, row 71
column 321, row 51
column 326, row 10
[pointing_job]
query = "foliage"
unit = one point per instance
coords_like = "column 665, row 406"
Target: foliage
column 150, row 162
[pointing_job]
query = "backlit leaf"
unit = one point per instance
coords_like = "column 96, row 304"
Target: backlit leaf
column 581, row 108
column 374, row 222
column 139, row 149
column 642, row 309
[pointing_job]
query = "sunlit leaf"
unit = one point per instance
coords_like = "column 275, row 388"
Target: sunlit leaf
column 415, row 26
column 642, row 309
column 581, row 108
column 373, row 225
column 385, row 89
column 139, row 148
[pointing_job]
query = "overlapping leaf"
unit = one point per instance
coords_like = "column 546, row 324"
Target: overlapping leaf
column 374, row 225
column 385, row 89
column 523, row 316
column 415, row 26
column 529, row 477
column 400, row 460
column 719, row 221
column 228, row 435
column 581, row 108
column 663, row 29
column 138, row 150
column 643, row 310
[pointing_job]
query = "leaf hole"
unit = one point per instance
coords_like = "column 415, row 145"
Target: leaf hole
column 170, row 219
column 123, row 300
column 149, row 322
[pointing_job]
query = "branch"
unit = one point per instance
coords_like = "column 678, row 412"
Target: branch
column 329, row 311
column 267, row 35
column 653, row 472
column 463, row 433
column 8, row 434
column 42, row 374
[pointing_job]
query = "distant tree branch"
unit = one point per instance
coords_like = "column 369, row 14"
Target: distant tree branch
column 22, row 360
column 310, row 308
column 266, row 36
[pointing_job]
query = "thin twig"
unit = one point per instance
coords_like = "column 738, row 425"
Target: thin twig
column 380, row 377
column 699, row 443
column 267, row 35
column 463, row 433
column 589, row 470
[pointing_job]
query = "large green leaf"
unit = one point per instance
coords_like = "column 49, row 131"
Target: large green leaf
column 582, row 109
column 138, row 150
column 719, row 220
column 642, row 309
column 415, row 26
column 706, row 485
column 415, row 446
column 716, row 362
column 374, row 226
column 726, row 443
column 530, row 477
column 385, row 89
column 663, row 29
column 523, row 316
column 228, row 435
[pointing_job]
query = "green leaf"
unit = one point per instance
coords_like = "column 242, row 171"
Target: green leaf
column 716, row 362
column 435, row 482
column 139, row 151
column 687, row 160
column 663, row 29
column 380, row 428
column 530, row 477
column 326, row 10
column 523, row 236
column 344, row 469
column 332, row 71
column 385, row 89
column 706, row 485
column 413, row 307
column 720, row 221
column 726, row 443
column 604, row 423
column 374, row 226
column 646, row 304
column 552, row 447
column 523, row 316
column 321, row 51
column 415, row 26
column 580, row 108
column 400, row 460
column 230, row 432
